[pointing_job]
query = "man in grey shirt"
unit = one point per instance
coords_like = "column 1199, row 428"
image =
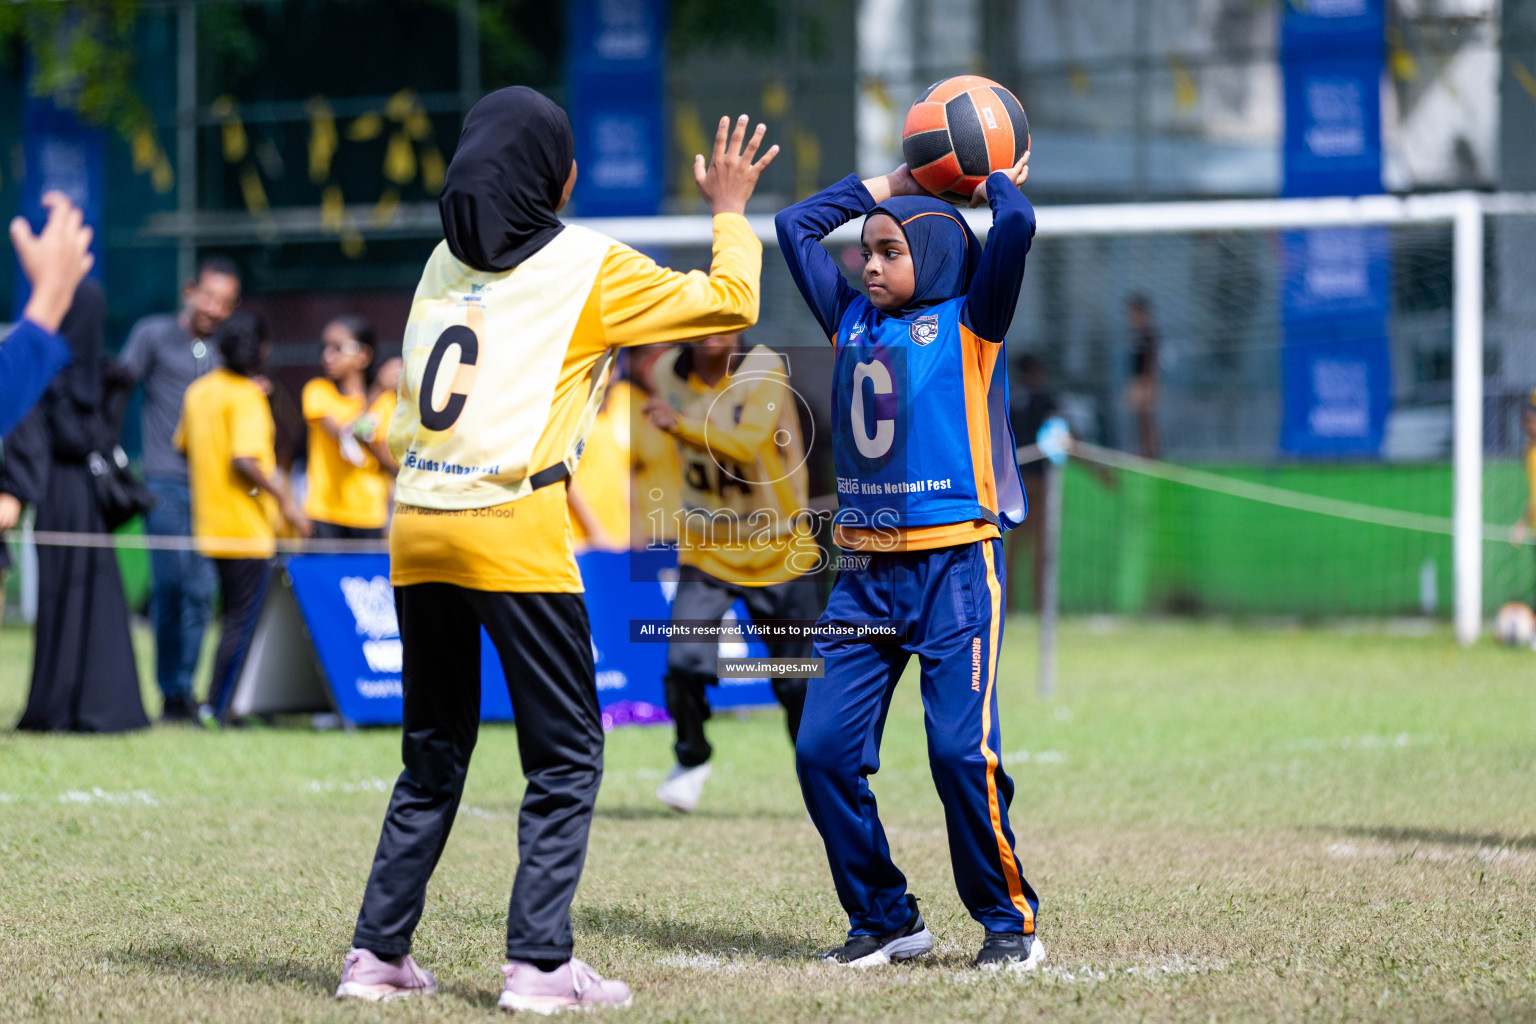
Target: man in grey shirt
column 165, row 354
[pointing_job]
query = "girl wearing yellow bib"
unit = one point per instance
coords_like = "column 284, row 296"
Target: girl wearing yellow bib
column 350, row 468
column 506, row 352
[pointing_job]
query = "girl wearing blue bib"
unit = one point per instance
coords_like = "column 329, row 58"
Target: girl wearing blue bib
column 927, row 481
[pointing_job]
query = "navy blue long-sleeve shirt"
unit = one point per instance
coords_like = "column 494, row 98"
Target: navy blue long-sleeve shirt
column 994, row 292
column 29, row 358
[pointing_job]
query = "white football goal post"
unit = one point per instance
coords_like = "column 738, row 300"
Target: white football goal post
column 1462, row 214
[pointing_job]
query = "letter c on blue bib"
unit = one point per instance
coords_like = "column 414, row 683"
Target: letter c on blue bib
column 879, row 378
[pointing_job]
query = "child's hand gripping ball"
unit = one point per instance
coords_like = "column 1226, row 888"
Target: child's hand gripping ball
column 961, row 130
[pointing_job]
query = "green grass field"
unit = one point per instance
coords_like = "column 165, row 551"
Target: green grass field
column 1223, row 823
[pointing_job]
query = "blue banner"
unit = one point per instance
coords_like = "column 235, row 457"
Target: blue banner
column 348, row 607
column 1336, row 367
column 1331, row 52
column 1338, row 392
column 616, row 70
column 59, row 154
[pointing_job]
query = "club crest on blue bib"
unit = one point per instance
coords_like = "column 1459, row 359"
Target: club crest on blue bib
column 924, row 329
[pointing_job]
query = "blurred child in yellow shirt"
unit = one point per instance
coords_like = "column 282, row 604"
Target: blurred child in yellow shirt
column 350, row 468
column 227, row 432
column 653, row 460
column 598, row 495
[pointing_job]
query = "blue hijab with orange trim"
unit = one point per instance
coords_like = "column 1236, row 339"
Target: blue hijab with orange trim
column 944, row 251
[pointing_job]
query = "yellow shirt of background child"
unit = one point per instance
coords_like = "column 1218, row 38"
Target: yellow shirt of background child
column 225, row 417
column 341, row 491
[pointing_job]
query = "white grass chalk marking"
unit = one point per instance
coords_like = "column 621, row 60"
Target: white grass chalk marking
column 747, row 961
column 1416, row 852
column 360, row 786
column 1177, row 966
column 100, row 796
column 1396, row 740
column 1042, row 757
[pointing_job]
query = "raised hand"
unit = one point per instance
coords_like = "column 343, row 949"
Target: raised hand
column 728, row 181
column 54, row 260
column 1017, row 174
column 897, row 183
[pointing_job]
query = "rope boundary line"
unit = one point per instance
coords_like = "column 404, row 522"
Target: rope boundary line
column 1338, row 508
column 1300, row 501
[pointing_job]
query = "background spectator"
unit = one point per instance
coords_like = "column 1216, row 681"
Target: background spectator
column 84, row 678
column 350, row 468
column 54, row 262
column 655, row 502
column 1141, row 390
column 227, row 433
column 1032, row 405
column 598, row 494
column 166, row 354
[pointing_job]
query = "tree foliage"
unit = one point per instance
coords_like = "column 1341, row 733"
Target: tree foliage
column 81, row 53
column 81, row 56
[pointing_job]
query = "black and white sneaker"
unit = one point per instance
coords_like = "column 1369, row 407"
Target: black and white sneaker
column 1013, row 950
column 912, row 939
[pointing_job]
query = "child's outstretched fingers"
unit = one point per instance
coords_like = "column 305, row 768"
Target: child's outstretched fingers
column 722, row 133
column 727, row 182
column 750, row 153
column 738, row 136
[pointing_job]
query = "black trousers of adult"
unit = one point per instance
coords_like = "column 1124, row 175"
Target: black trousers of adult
column 242, row 591
column 545, row 646
column 335, row 531
column 691, row 666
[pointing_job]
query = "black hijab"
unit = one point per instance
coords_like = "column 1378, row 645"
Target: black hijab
column 945, row 253
column 74, row 413
column 505, row 179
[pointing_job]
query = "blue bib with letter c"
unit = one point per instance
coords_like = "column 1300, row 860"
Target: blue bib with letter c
column 920, row 420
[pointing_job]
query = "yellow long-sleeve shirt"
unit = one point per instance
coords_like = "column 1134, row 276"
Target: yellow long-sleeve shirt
column 525, row 343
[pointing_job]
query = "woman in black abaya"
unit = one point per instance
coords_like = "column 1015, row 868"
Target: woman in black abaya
column 84, row 678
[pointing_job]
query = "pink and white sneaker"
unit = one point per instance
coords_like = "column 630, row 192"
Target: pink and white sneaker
column 571, row 986
column 366, row 976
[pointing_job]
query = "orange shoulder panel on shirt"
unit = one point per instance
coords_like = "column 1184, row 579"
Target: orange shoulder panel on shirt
column 980, row 359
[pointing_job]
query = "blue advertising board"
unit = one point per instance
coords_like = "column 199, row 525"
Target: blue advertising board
column 1332, row 55
column 59, row 154
column 348, row 609
column 1337, row 395
column 1336, row 367
column 616, row 63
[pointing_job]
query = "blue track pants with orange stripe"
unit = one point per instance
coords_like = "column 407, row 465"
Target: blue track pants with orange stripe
column 952, row 602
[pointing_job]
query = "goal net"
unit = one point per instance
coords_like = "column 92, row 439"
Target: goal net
column 1305, row 408
column 1291, row 391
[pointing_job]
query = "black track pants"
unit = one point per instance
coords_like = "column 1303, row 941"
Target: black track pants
column 546, row 648
column 691, row 665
